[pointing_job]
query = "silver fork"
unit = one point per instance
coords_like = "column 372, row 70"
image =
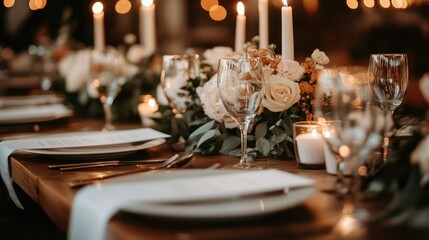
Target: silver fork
column 85, row 165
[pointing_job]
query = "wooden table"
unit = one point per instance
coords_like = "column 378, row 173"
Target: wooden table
column 323, row 216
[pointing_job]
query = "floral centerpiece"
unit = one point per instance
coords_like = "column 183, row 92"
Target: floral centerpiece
column 288, row 97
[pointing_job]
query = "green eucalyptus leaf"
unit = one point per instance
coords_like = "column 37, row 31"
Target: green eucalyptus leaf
column 263, row 146
column 203, row 129
column 209, row 135
column 229, row 144
column 278, row 138
column 261, row 130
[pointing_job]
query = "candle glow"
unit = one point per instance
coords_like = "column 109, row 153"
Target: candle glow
column 240, row 28
column 147, row 3
column 285, row 3
column 240, row 8
column 97, row 8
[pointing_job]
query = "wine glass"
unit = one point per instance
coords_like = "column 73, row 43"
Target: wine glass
column 388, row 80
column 240, row 85
column 176, row 71
column 348, row 122
column 106, row 78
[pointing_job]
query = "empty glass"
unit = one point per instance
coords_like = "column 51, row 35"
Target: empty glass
column 107, row 79
column 176, row 72
column 240, row 85
column 388, row 80
column 348, row 122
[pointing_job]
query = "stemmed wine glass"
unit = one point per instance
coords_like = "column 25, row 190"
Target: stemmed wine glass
column 240, row 85
column 106, row 78
column 348, row 122
column 175, row 73
column 388, row 80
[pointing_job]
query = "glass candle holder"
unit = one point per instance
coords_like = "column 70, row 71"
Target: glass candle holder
column 148, row 108
column 309, row 145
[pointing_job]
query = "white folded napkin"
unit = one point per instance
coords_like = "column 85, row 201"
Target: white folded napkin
column 80, row 139
column 94, row 205
column 33, row 113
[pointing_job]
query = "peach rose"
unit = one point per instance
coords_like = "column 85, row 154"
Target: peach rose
column 280, row 93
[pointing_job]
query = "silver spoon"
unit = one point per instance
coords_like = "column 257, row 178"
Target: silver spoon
column 174, row 161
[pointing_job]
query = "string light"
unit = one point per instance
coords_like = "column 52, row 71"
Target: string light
column 217, row 13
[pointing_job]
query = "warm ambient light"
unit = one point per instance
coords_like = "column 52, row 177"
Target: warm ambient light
column 123, row 6
column 285, row 3
column 8, row 3
column 151, row 102
column 369, row 3
column 240, row 8
column 97, row 8
column 217, row 13
column 385, row 3
column 207, row 4
column 147, row 3
column 40, row 4
column 352, row 4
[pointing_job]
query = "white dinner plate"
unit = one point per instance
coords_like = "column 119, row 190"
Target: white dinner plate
column 221, row 209
column 96, row 152
column 34, row 114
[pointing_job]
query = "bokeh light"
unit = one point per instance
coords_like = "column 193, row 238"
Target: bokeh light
column 8, row 3
column 207, row 4
column 32, row 5
column 217, row 13
column 385, row 3
column 123, row 6
column 369, row 3
column 352, row 4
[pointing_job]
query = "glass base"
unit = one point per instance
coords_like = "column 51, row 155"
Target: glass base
column 108, row 127
column 243, row 166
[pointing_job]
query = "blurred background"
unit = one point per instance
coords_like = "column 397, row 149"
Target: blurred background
column 347, row 30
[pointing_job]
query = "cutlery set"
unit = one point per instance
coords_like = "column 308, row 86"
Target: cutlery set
column 175, row 161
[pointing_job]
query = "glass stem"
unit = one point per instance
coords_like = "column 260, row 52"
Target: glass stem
column 340, row 183
column 107, row 108
column 243, row 133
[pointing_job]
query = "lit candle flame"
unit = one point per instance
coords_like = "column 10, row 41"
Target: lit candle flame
column 240, row 8
column 151, row 103
column 314, row 133
column 285, row 3
column 147, row 3
column 97, row 8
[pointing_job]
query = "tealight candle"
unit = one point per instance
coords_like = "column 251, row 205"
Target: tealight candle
column 147, row 25
column 98, row 16
column 147, row 109
column 309, row 145
column 263, row 23
column 287, row 32
column 240, row 27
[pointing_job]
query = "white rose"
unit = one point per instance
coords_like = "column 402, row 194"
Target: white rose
column 421, row 156
column 290, row 69
column 213, row 55
column 320, row 57
column 280, row 93
column 137, row 52
column 75, row 70
column 212, row 104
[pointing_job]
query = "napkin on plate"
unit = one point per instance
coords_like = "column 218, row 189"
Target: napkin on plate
column 94, row 205
column 81, row 139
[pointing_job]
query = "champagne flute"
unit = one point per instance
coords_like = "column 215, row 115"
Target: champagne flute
column 240, row 85
column 106, row 78
column 176, row 71
column 348, row 123
column 388, row 80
